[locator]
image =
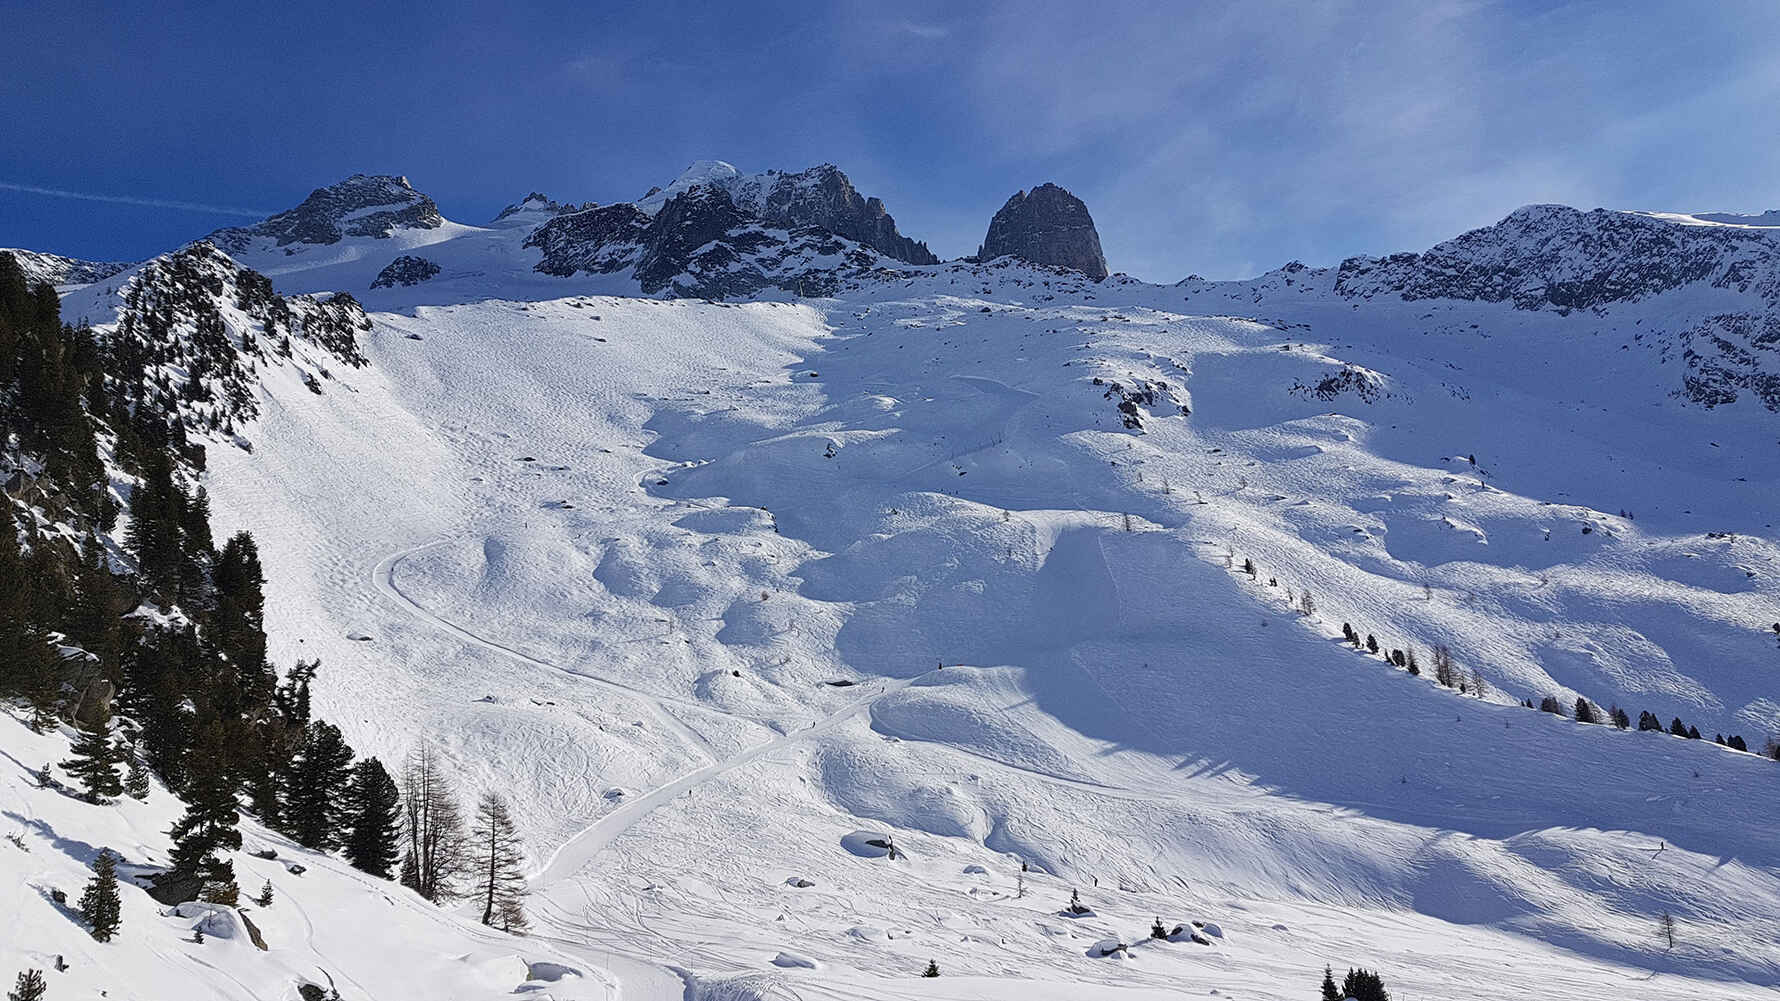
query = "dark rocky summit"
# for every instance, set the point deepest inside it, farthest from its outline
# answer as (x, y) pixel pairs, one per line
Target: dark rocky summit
(405, 270)
(537, 203)
(1047, 225)
(361, 205)
(823, 196)
(702, 242)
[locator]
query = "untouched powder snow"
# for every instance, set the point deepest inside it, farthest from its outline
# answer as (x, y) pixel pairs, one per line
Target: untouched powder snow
(713, 589)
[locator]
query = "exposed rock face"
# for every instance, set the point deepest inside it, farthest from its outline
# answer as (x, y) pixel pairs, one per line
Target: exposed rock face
(361, 205)
(55, 269)
(699, 242)
(823, 196)
(820, 196)
(599, 241)
(405, 270)
(1047, 225)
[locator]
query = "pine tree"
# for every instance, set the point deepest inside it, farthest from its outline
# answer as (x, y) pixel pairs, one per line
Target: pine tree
(500, 876)
(1619, 717)
(1647, 721)
(27, 661)
(265, 897)
(374, 813)
(1330, 991)
(932, 969)
(239, 620)
(95, 761)
(1414, 668)
(315, 811)
(1550, 704)
(28, 987)
(136, 780)
(99, 905)
(208, 826)
(1585, 711)
(1693, 733)
(1156, 929)
(1371, 643)
(1677, 728)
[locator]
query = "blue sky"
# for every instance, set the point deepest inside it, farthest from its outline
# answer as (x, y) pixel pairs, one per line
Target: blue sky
(1217, 138)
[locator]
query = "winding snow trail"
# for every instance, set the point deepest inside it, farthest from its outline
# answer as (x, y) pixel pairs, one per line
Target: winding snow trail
(583, 847)
(383, 575)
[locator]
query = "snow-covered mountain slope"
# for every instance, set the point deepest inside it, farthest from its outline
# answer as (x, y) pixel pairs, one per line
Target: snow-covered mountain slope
(1705, 296)
(54, 269)
(954, 557)
(615, 553)
(327, 924)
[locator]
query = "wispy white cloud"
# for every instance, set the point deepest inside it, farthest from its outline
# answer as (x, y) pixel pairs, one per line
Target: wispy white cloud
(1207, 135)
(154, 203)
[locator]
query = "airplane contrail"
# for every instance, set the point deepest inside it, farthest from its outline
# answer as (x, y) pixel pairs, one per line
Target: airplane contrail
(157, 203)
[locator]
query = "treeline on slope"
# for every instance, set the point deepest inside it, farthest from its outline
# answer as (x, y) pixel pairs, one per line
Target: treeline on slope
(1450, 675)
(155, 650)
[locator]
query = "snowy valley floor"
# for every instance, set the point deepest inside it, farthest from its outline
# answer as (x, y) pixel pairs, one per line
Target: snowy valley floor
(680, 576)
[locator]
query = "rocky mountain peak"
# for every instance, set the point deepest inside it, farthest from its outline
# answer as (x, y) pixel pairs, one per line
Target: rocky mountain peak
(824, 196)
(538, 204)
(1047, 225)
(373, 205)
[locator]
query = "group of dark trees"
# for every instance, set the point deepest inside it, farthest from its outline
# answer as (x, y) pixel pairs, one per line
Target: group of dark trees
(155, 650)
(1585, 711)
(1361, 985)
(1447, 673)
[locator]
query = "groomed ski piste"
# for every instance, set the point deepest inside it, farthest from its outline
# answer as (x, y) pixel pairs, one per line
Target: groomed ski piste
(727, 596)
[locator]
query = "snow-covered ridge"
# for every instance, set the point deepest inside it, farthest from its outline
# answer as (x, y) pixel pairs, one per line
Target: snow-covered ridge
(54, 269)
(1705, 297)
(361, 205)
(1556, 257)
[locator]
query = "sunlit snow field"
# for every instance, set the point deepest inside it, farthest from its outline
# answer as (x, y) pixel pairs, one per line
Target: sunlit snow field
(680, 577)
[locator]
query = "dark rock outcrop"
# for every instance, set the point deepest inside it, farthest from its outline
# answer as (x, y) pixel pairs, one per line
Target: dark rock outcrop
(535, 204)
(362, 205)
(1047, 225)
(405, 270)
(699, 243)
(823, 196)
